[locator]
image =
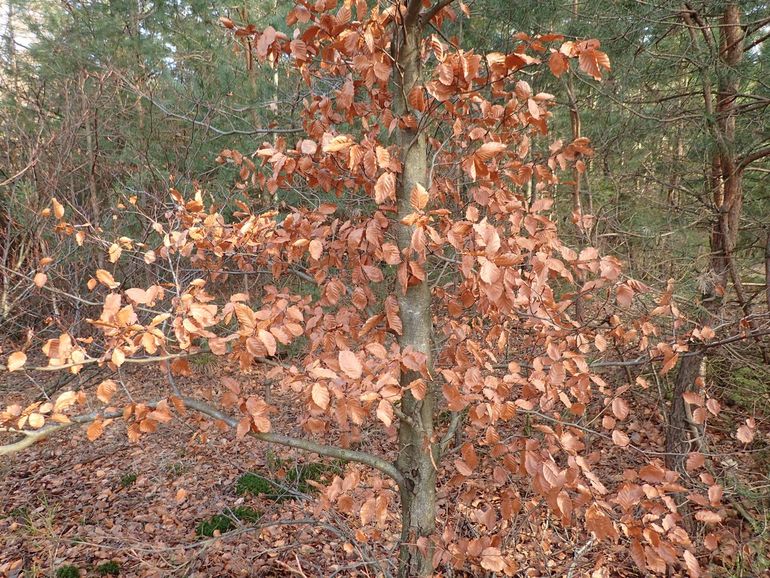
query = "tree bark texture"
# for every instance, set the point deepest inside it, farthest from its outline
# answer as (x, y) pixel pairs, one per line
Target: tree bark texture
(417, 452)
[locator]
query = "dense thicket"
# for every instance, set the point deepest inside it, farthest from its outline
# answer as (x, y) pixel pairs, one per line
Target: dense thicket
(177, 143)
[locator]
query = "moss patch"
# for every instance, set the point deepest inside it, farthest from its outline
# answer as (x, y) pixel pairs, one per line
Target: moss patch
(226, 521)
(68, 572)
(110, 568)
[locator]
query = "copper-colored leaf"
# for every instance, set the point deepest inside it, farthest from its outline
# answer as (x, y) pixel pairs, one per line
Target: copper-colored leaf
(16, 360)
(745, 434)
(492, 560)
(558, 64)
(105, 278)
(592, 61)
(419, 197)
(624, 295)
(385, 412)
(694, 461)
(316, 249)
(620, 408)
(320, 395)
(350, 364)
(137, 295)
(244, 425)
(708, 516)
(598, 522)
(620, 438)
(338, 143)
(489, 149)
(385, 188)
(105, 390)
(65, 400)
(268, 340)
(691, 562)
(58, 209)
(390, 254)
(36, 420)
(118, 357)
(95, 430)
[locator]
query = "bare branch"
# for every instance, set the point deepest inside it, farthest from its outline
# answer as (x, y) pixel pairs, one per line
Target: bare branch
(386, 467)
(426, 17)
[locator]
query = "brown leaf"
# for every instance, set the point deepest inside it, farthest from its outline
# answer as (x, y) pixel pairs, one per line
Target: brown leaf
(390, 254)
(558, 64)
(105, 390)
(244, 425)
(316, 249)
(600, 523)
(419, 197)
(492, 560)
(320, 395)
(708, 517)
(620, 438)
(694, 461)
(137, 295)
(385, 412)
(58, 209)
(268, 340)
(36, 420)
(620, 408)
(489, 149)
(350, 364)
(418, 389)
(745, 434)
(105, 278)
(95, 430)
(114, 252)
(624, 295)
(118, 357)
(367, 511)
(385, 188)
(338, 143)
(592, 61)
(16, 360)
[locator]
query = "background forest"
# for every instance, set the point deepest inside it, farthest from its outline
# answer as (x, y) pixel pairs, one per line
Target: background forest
(105, 106)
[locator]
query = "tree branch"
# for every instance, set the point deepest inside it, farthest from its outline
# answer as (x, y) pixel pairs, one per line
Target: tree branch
(386, 467)
(435, 9)
(746, 160)
(412, 12)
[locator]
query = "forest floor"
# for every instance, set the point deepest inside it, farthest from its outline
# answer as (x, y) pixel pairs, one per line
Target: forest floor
(150, 508)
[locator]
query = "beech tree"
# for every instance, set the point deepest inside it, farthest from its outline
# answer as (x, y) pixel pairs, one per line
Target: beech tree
(442, 286)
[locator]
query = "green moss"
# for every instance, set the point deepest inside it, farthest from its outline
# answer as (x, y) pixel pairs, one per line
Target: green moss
(128, 480)
(748, 387)
(217, 522)
(203, 359)
(68, 572)
(296, 481)
(227, 521)
(246, 514)
(110, 568)
(255, 485)
(300, 474)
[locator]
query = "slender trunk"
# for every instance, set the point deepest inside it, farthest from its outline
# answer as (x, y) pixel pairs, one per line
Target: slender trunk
(418, 453)
(577, 204)
(724, 183)
(767, 269)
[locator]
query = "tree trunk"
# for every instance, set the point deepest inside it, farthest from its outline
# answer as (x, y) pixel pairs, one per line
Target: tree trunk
(725, 187)
(417, 452)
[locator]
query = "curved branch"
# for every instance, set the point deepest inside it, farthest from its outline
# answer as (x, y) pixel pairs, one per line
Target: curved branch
(386, 467)
(438, 7)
